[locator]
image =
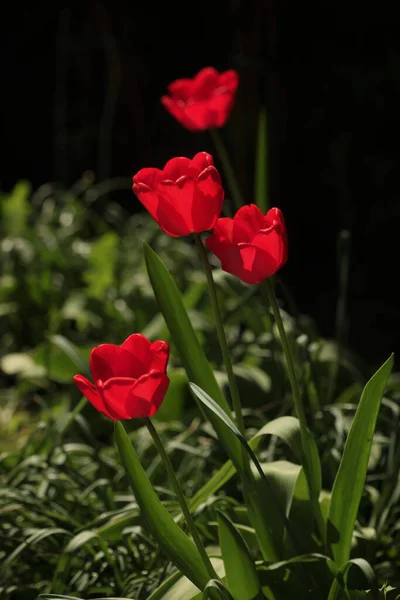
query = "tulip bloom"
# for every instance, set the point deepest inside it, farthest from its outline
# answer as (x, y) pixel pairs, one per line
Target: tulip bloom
(204, 101)
(185, 197)
(251, 246)
(130, 380)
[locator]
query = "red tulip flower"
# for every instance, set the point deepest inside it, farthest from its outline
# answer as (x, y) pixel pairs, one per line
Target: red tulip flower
(204, 101)
(130, 380)
(185, 197)
(251, 246)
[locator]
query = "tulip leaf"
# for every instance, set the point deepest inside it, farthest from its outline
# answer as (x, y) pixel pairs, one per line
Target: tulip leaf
(178, 587)
(187, 344)
(254, 497)
(261, 173)
(241, 573)
(350, 478)
(174, 542)
(286, 428)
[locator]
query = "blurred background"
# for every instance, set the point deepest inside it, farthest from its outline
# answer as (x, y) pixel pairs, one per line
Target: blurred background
(80, 89)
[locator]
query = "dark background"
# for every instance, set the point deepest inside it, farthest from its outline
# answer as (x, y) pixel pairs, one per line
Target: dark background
(80, 89)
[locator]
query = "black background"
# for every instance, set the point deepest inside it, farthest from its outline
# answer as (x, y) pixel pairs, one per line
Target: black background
(80, 89)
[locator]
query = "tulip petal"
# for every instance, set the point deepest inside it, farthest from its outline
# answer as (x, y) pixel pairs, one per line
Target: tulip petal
(258, 264)
(229, 255)
(178, 110)
(223, 229)
(159, 355)
(207, 200)
(204, 83)
(247, 222)
(181, 88)
(138, 345)
(110, 360)
(147, 395)
(116, 393)
(175, 206)
(90, 392)
(229, 81)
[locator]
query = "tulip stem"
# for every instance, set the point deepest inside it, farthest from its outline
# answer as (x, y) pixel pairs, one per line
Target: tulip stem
(221, 336)
(227, 167)
(299, 409)
(181, 498)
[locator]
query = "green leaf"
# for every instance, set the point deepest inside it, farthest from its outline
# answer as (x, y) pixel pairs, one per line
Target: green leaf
(191, 353)
(15, 209)
(175, 543)
(261, 173)
(286, 428)
(270, 525)
(178, 587)
(215, 585)
(100, 276)
(350, 478)
(73, 354)
(241, 573)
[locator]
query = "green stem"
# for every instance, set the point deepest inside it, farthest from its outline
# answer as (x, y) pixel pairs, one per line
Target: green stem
(181, 499)
(221, 336)
(228, 169)
(299, 409)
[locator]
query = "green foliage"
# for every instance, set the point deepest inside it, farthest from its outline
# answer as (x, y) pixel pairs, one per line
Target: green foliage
(73, 275)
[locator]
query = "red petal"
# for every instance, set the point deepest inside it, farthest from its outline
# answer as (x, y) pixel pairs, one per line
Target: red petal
(201, 161)
(247, 222)
(177, 110)
(205, 83)
(229, 81)
(228, 254)
(147, 395)
(90, 392)
(159, 352)
(109, 360)
(181, 88)
(147, 196)
(207, 200)
(149, 177)
(115, 393)
(138, 345)
(274, 244)
(223, 229)
(258, 264)
(176, 167)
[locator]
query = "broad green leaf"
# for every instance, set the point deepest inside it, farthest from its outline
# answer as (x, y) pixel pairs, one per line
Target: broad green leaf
(191, 353)
(350, 478)
(241, 574)
(261, 174)
(175, 543)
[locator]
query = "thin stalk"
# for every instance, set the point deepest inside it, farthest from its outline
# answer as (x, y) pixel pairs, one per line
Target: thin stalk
(227, 167)
(221, 336)
(299, 409)
(181, 499)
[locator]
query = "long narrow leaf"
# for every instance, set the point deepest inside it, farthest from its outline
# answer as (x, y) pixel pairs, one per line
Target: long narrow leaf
(350, 478)
(190, 351)
(175, 543)
(240, 569)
